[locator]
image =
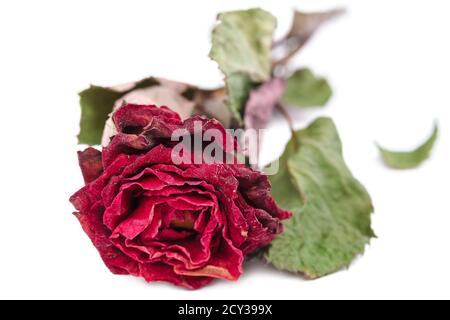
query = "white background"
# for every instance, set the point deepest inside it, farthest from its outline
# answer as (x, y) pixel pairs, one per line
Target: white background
(388, 62)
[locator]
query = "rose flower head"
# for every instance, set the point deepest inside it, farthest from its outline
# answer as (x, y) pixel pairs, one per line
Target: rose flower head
(153, 216)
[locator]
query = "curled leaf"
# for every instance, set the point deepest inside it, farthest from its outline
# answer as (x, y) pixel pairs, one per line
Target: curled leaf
(331, 223)
(304, 25)
(238, 90)
(409, 159)
(304, 89)
(241, 45)
(96, 104)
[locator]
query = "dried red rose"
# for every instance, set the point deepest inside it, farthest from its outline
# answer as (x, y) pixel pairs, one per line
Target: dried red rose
(187, 223)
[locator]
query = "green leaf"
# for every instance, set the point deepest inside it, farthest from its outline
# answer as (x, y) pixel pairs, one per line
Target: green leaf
(410, 159)
(238, 91)
(331, 223)
(304, 89)
(96, 104)
(242, 41)
(241, 45)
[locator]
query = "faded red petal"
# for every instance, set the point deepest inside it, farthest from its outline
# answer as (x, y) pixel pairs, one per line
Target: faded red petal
(227, 191)
(153, 228)
(225, 141)
(113, 258)
(125, 144)
(256, 188)
(173, 235)
(90, 161)
(139, 219)
(226, 263)
(133, 119)
(141, 128)
(120, 206)
(164, 272)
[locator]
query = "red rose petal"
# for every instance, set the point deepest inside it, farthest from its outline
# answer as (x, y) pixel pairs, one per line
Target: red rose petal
(164, 272)
(139, 220)
(153, 228)
(202, 220)
(173, 235)
(132, 118)
(225, 264)
(225, 141)
(189, 201)
(120, 206)
(113, 258)
(90, 161)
